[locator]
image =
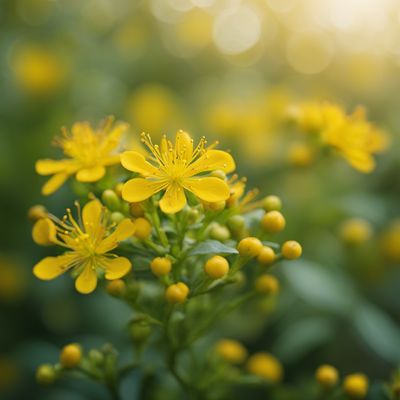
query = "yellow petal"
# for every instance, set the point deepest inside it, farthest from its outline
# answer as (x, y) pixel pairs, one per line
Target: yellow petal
(113, 138)
(54, 183)
(116, 268)
(50, 167)
(208, 189)
(51, 267)
(44, 232)
(135, 162)
(111, 160)
(91, 216)
(360, 160)
(212, 160)
(173, 200)
(184, 145)
(90, 174)
(124, 230)
(139, 189)
(87, 280)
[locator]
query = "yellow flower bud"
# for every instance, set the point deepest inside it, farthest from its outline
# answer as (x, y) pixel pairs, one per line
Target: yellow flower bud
(44, 232)
(231, 351)
(37, 212)
(272, 203)
(136, 210)
(161, 266)
(273, 222)
(356, 386)
(327, 376)
(116, 288)
(71, 355)
(143, 228)
(177, 293)
(214, 206)
(249, 247)
(291, 250)
(265, 366)
(355, 231)
(45, 374)
(216, 267)
(117, 217)
(267, 284)
(266, 256)
(118, 189)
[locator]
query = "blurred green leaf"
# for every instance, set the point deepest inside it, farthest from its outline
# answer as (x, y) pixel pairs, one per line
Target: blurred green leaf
(301, 337)
(321, 287)
(212, 247)
(379, 331)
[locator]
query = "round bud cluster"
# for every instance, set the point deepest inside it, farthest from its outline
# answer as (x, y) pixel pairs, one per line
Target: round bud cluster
(177, 293)
(249, 247)
(266, 256)
(356, 386)
(291, 250)
(265, 366)
(161, 266)
(267, 284)
(231, 351)
(142, 228)
(273, 222)
(327, 376)
(71, 355)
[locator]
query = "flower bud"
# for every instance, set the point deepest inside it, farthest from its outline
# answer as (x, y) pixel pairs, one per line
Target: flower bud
(161, 266)
(96, 357)
(143, 228)
(236, 222)
(231, 351)
(136, 210)
(249, 247)
(193, 215)
(177, 293)
(267, 284)
(356, 386)
(265, 366)
(111, 200)
(273, 222)
(116, 288)
(216, 267)
(117, 217)
(71, 355)
(291, 250)
(266, 256)
(220, 232)
(214, 206)
(140, 331)
(272, 203)
(355, 231)
(46, 374)
(327, 376)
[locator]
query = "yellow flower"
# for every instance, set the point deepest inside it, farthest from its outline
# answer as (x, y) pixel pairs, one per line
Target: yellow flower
(356, 139)
(177, 169)
(238, 196)
(89, 151)
(88, 241)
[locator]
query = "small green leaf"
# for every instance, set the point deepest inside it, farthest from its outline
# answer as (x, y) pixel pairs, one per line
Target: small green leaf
(212, 247)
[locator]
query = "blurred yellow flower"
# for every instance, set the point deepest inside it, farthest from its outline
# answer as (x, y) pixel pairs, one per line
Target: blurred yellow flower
(265, 366)
(177, 169)
(38, 71)
(89, 151)
(88, 241)
(12, 279)
(390, 241)
(231, 350)
(356, 139)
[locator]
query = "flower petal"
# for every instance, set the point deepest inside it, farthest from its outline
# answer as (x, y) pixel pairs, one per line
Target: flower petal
(87, 280)
(208, 189)
(184, 146)
(116, 268)
(139, 189)
(91, 216)
(54, 183)
(44, 232)
(173, 200)
(124, 230)
(51, 267)
(360, 160)
(210, 161)
(50, 167)
(135, 162)
(90, 174)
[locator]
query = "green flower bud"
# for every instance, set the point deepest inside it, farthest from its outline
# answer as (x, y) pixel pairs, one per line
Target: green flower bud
(236, 223)
(111, 200)
(46, 374)
(220, 232)
(117, 217)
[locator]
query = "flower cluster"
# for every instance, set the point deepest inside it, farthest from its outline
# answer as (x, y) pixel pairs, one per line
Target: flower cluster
(184, 244)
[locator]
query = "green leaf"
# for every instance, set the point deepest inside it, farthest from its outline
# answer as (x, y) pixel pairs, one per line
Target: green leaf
(321, 287)
(212, 247)
(379, 331)
(301, 337)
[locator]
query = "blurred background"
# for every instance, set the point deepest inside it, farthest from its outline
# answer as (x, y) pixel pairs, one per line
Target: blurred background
(226, 69)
